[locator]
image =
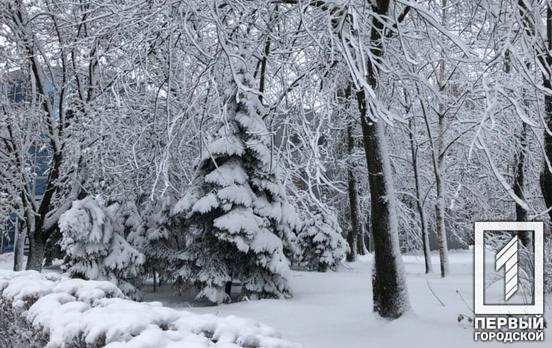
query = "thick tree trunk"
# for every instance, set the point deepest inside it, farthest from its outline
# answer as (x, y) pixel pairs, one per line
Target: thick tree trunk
(389, 288)
(419, 205)
(389, 285)
(36, 252)
(354, 231)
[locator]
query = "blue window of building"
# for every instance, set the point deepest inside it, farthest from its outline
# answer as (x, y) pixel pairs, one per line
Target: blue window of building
(7, 234)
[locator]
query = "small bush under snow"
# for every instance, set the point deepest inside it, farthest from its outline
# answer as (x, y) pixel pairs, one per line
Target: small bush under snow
(320, 242)
(49, 310)
(95, 244)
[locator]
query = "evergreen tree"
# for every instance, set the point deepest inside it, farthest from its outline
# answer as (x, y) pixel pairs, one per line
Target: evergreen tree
(161, 244)
(320, 242)
(95, 246)
(237, 218)
(130, 222)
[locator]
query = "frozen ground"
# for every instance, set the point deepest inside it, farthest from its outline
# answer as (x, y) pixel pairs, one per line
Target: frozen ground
(333, 310)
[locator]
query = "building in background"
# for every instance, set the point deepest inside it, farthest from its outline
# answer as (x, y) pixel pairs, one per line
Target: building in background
(14, 90)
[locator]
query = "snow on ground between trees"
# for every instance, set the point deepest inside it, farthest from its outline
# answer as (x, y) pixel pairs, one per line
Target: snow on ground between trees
(334, 309)
(73, 312)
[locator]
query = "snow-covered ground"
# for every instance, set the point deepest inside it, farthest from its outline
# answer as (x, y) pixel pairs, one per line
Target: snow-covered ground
(6, 261)
(334, 309)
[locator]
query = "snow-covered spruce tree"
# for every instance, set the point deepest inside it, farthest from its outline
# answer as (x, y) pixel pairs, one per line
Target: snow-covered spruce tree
(237, 219)
(320, 242)
(161, 245)
(131, 224)
(95, 246)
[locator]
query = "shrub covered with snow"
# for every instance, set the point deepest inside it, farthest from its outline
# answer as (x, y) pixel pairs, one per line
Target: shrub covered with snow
(238, 221)
(49, 310)
(95, 245)
(320, 243)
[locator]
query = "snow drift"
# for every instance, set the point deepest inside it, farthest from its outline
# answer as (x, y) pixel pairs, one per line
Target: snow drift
(49, 310)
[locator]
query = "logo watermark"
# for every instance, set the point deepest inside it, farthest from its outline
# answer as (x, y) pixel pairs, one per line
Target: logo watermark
(507, 258)
(506, 319)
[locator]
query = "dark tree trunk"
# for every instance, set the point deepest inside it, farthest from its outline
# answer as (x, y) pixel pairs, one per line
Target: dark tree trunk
(389, 285)
(38, 234)
(546, 61)
(361, 245)
(354, 231)
(228, 289)
(519, 183)
(388, 282)
(519, 176)
(36, 252)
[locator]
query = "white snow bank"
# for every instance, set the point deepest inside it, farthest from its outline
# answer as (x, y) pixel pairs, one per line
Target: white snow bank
(68, 312)
(6, 261)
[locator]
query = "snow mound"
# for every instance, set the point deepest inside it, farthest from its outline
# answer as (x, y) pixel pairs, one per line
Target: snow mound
(74, 312)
